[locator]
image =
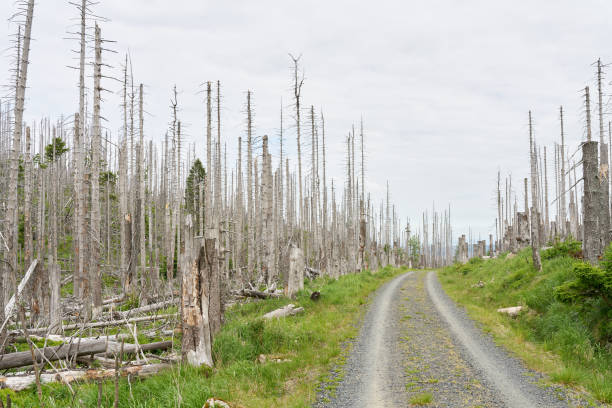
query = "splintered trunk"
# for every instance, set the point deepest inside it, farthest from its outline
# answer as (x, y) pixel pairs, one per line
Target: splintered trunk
(591, 204)
(590, 243)
(295, 276)
(195, 299)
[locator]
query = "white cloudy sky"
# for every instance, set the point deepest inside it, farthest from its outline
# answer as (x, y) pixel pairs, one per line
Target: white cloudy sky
(444, 86)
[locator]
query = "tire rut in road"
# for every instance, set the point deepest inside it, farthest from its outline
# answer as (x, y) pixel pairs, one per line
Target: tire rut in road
(373, 375)
(517, 386)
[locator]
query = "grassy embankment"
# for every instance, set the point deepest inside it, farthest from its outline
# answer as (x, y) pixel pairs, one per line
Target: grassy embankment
(308, 345)
(566, 330)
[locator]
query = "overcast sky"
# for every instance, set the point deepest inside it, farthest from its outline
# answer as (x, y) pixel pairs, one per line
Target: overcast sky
(444, 87)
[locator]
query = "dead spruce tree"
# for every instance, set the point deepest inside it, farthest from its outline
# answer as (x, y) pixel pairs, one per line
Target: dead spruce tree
(591, 245)
(535, 219)
(125, 201)
(9, 274)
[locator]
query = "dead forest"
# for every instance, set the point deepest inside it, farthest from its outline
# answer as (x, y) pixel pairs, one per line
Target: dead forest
(103, 230)
(527, 216)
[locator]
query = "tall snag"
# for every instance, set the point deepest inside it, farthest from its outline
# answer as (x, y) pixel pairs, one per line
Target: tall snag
(535, 218)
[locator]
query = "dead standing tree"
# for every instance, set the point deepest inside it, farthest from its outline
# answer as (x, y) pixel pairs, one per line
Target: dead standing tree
(590, 202)
(9, 276)
(535, 218)
(604, 193)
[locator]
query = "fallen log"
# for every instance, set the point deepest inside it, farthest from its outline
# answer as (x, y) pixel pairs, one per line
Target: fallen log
(285, 311)
(93, 325)
(116, 299)
(511, 311)
(19, 383)
(150, 308)
(24, 358)
(104, 361)
(113, 346)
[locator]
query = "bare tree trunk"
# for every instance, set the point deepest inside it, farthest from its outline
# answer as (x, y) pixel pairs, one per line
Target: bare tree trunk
(251, 211)
(209, 169)
(535, 219)
(94, 259)
(144, 272)
(297, 90)
(604, 193)
(27, 202)
(562, 203)
(52, 266)
(12, 210)
(267, 210)
(591, 243)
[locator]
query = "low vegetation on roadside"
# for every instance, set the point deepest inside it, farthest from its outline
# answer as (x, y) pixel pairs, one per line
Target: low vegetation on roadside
(565, 327)
(259, 363)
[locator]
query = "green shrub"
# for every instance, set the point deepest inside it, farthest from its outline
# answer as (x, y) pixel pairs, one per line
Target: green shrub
(569, 247)
(591, 283)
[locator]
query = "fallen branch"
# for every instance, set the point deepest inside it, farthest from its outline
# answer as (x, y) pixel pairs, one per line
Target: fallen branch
(105, 323)
(311, 273)
(256, 294)
(285, 311)
(511, 311)
(19, 383)
(10, 306)
(149, 308)
(117, 299)
(24, 358)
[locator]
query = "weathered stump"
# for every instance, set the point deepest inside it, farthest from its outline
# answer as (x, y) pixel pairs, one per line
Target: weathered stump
(591, 203)
(295, 277)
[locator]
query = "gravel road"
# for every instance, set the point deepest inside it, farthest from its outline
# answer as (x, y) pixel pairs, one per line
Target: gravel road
(415, 345)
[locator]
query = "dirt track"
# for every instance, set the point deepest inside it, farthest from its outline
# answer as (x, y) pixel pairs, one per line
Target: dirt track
(415, 343)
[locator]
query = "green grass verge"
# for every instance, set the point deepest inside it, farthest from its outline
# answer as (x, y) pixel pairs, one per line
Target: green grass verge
(563, 340)
(308, 345)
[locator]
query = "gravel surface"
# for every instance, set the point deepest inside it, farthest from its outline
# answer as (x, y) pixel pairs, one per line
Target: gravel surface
(517, 386)
(416, 345)
(373, 375)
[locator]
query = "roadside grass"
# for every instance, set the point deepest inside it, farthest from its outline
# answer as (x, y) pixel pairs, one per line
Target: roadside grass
(300, 351)
(563, 340)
